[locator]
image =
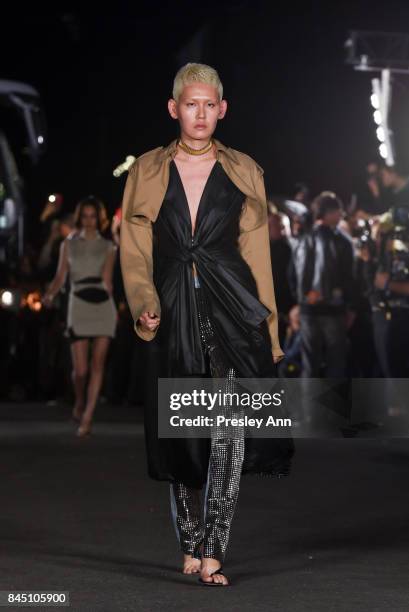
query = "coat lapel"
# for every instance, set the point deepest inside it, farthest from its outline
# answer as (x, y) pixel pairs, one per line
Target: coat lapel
(153, 179)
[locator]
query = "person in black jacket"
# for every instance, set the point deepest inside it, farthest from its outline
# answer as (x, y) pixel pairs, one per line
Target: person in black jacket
(323, 261)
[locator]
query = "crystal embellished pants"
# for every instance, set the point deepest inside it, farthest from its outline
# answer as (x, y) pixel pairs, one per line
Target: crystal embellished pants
(225, 464)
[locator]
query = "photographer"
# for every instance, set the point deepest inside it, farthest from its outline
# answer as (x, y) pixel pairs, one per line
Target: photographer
(362, 358)
(391, 280)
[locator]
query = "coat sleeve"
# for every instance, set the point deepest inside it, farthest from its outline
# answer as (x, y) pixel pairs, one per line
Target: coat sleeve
(136, 257)
(254, 246)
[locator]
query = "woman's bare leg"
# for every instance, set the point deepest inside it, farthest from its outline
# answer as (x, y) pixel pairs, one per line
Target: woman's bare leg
(79, 354)
(99, 353)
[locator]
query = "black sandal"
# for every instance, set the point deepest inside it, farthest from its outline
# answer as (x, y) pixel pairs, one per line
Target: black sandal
(218, 571)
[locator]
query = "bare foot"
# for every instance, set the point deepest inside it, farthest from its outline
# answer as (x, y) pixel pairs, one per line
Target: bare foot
(191, 565)
(85, 426)
(210, 565)
(77, 412)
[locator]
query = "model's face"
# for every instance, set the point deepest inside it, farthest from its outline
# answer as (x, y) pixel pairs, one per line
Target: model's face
(89, 219)
(198, 110)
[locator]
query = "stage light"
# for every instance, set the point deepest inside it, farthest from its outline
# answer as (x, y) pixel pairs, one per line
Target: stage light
(377, 117)
(380, 133)
(383, 150)
(51, 198)
(10, 299)
(33, 301)
(375, 100)
(7, 298)
(381, 101)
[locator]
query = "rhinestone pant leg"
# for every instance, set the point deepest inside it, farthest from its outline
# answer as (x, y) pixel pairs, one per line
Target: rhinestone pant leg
(186, 514)
(225, 464)
(227, 449)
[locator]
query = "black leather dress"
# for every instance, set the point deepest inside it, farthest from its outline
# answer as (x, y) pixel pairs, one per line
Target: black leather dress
(237, 315)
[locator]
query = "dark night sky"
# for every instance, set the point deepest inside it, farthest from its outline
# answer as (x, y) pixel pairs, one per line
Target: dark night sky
(105, 75)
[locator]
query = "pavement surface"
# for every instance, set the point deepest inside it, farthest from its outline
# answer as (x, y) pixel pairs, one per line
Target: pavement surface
(82, 516)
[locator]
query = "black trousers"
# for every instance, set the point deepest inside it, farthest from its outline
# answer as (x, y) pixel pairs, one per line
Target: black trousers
(323, 339)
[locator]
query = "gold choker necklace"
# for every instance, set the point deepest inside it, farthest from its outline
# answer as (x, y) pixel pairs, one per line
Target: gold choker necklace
(191, 151)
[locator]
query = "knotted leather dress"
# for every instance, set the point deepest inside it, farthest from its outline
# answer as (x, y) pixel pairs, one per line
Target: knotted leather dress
(237, 316)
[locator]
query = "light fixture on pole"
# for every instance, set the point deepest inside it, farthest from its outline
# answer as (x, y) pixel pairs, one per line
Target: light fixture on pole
(387, 53)
(381, 100)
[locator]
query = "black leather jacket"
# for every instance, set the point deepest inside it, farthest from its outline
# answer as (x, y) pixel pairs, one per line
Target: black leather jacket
(323, 259)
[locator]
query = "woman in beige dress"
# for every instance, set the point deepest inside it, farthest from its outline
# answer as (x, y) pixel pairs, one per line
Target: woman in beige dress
(89, 258)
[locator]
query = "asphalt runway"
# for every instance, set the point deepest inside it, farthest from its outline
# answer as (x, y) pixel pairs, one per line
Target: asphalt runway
(82, 516)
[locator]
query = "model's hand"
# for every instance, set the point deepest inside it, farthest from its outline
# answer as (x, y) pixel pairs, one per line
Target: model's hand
(149, 321)
(277, 358)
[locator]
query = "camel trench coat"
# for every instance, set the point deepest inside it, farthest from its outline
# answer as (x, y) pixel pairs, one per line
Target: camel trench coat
(144, 192)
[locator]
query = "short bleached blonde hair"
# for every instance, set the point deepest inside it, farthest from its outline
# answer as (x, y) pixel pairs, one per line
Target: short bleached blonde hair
(196, 73)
